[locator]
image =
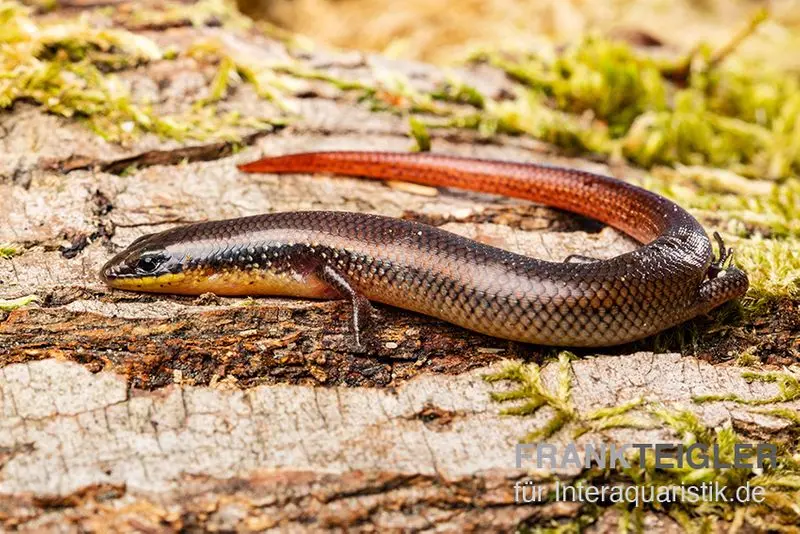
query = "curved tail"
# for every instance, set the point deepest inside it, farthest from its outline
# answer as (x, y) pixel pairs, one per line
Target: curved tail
(637, 212)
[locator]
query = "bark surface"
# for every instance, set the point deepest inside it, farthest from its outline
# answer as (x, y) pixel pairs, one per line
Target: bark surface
(126, 411)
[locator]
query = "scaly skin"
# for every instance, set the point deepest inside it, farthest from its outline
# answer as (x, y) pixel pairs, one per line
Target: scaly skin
(670, 279)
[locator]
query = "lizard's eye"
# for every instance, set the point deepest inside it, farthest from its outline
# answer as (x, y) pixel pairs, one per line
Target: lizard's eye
(148, 264)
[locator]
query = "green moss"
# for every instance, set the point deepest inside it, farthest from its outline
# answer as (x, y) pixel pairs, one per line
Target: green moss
(585, 518)
(531, 394)
(683, 422)
(780, 481)
(603, 96)
(219, 87)
(577, 79)
(788, 386)
(232, 70)
(777, 480)
(309, 74)
(531, 390)
(613, 417)
(748, 359)
(455, 90)
(789, 415)
(419, 132)
(13, 304)
(58, 67)
(745, 206)
(198, 14)
(393, 93)
(697, 110)
(773, 267)
(67, 68)
(9, 250)
(529, 115)
(614, 411)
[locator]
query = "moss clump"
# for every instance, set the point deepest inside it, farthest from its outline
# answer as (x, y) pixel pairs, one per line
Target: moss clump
(578, 79)
(199, 13)
(602, 96)
(419, 132)
(777, 510)
(532, 395)
(773, 267)
(232, 71)
(748, 359)
(67, 68)
(13, 304)
(393, 93)
(9, 250)
(788, 389)
(529, 114)
(614, 417)
(748, 206)
(532, 391)
(59, 67)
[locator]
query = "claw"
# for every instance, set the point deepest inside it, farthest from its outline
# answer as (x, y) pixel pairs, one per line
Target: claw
(723, 260)
(721, 248)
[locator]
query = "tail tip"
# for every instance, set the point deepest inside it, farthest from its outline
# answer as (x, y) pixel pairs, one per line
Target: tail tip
(251, 166)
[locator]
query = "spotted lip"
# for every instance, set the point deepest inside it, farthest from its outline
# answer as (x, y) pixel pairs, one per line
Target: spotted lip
(123, 266)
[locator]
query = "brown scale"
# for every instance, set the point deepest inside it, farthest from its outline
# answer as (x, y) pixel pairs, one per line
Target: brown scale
(671, 278)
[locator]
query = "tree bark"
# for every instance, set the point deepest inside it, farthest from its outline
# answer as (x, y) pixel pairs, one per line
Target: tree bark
(134, 412)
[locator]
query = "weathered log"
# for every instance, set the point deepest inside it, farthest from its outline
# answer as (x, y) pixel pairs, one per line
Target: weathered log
(137, 412)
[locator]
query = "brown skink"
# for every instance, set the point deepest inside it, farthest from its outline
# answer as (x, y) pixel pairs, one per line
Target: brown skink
(673, 277)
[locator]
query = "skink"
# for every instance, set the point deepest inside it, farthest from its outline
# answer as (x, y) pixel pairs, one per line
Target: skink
(673, 277)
